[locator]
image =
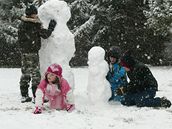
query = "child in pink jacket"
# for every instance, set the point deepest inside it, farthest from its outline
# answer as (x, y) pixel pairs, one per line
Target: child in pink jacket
(56, 89)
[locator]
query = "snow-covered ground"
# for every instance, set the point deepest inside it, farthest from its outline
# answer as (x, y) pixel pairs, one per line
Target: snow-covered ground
(14, 115)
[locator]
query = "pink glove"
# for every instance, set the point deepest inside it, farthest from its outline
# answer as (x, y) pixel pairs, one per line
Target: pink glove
(38, 110)
(70, 108)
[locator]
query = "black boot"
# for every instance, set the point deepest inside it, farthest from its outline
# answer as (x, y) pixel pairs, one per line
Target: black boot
(112, 96)
(26, 99)
(165, 102)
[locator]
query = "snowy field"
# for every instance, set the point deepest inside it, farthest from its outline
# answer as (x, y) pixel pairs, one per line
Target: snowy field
(14, 115)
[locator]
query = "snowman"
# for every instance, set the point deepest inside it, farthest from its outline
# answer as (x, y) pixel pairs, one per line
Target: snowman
(59, 47)
(98, 88)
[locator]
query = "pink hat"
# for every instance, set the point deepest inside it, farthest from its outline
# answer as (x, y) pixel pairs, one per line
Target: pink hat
(56, 69)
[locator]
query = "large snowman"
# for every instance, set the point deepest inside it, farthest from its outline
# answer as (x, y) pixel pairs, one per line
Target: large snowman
(98, 87)
(59, 47)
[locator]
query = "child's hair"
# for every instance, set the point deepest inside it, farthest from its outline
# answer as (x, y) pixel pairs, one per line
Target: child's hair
(56, 81)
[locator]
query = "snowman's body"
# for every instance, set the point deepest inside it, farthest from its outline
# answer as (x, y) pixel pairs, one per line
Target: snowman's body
(59, 47)
(98, 87)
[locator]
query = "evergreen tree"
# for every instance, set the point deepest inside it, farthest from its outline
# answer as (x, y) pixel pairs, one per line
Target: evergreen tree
(160, 16)
(159, 22)
(121, 23)
(139, 25)
(81, 24)
(9, 13)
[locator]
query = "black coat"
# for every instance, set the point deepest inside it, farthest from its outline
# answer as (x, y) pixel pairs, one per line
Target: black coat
(141, 79)
(29, 36)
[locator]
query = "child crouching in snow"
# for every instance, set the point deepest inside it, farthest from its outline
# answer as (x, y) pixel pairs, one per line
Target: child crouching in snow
(56, 89)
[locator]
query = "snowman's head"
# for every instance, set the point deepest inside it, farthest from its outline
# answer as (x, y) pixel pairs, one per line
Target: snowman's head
(96, 55)
(54, 9)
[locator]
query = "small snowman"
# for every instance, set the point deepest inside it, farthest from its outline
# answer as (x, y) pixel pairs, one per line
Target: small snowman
(98, 87)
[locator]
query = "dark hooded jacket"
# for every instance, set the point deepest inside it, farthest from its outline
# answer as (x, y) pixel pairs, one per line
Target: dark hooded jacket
(141, 79)
(29, 36)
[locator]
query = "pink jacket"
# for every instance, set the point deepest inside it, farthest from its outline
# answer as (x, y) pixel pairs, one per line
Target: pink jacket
(57, 98)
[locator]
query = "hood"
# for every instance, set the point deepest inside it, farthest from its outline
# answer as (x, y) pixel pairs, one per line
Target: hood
(55, 69)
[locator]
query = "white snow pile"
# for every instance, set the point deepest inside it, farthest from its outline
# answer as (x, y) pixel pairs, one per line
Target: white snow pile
(17, 115)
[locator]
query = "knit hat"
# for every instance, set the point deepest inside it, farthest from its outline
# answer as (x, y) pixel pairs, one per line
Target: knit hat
(127, 60)
(31, 9)
(55, 69)
(114, 51)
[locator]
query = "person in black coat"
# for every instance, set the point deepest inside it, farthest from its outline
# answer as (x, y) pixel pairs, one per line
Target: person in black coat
(30, 32)
(142, 87)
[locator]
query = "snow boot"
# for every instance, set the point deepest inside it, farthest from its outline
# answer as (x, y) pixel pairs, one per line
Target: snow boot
(165, 102)
(26, 99)
(112, 96)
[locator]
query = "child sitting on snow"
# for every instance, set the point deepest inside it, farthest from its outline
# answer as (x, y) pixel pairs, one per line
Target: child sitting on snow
(56, 89)
(117, 74)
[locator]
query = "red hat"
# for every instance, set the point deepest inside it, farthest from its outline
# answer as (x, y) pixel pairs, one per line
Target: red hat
(124, 64)
(56, 69)
(127, 60)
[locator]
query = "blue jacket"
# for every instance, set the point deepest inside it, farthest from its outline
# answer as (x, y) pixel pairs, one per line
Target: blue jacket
(117, 78)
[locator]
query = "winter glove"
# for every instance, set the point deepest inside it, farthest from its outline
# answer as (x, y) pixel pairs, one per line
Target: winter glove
(38, 110)
(70, 108)
(52, 25)
(121, 90)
